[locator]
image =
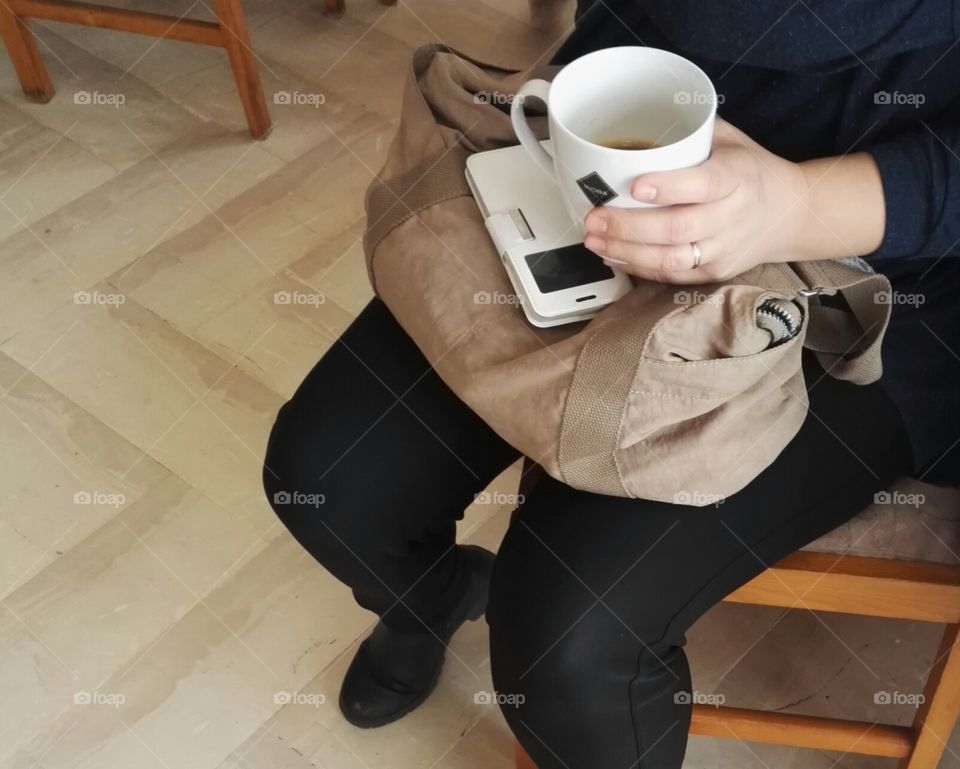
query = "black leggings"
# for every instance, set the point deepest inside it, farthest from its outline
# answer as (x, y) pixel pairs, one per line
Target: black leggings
(591, 595)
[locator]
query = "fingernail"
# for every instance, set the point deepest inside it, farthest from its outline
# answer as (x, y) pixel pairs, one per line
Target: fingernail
(614, 262)
(595, 244)
(596, 223)
(645, 192)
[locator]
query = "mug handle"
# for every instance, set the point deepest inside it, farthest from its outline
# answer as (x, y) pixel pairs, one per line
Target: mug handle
(539, 89)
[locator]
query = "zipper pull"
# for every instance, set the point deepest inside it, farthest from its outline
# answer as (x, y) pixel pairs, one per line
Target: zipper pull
(781, 318)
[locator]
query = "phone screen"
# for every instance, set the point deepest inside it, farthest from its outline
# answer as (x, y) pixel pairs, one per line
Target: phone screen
(566, 267)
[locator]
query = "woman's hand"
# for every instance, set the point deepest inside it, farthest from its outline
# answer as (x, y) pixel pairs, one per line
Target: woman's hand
(744, 206)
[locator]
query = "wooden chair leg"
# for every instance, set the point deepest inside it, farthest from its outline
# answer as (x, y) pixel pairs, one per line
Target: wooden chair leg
(937, 715)
(237, 43)
(22, 48)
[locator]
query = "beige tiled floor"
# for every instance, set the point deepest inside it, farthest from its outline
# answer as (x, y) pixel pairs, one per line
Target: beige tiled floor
(138, 560)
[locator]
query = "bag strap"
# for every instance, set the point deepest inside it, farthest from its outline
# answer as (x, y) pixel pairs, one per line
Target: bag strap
(847, 344)
(598, 396)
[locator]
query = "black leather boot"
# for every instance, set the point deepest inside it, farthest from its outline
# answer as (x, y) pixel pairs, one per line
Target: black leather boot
(394, 671)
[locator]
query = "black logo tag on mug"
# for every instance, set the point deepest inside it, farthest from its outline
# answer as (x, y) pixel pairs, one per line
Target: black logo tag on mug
(598, 192)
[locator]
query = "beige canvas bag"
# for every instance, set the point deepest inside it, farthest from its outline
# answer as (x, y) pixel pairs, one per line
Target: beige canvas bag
(672, 393)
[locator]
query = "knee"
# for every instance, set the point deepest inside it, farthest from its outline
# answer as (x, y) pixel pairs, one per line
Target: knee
(551, 651)
(553, 639)
(285, 468)
(549, 638)
(317, 479)
(562, 677)
(573, 678)
(293, 475)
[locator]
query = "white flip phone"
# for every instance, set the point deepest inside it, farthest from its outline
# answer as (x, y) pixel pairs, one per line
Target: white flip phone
(556, 278)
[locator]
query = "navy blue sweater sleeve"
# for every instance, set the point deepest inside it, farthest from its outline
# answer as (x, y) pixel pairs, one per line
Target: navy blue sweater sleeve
(921, 183)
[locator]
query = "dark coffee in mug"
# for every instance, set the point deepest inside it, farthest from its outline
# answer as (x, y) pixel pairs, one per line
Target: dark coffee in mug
(626, 97)
(628, 144)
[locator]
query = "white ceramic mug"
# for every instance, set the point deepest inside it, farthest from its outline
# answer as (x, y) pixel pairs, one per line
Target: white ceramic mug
(628, 93)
